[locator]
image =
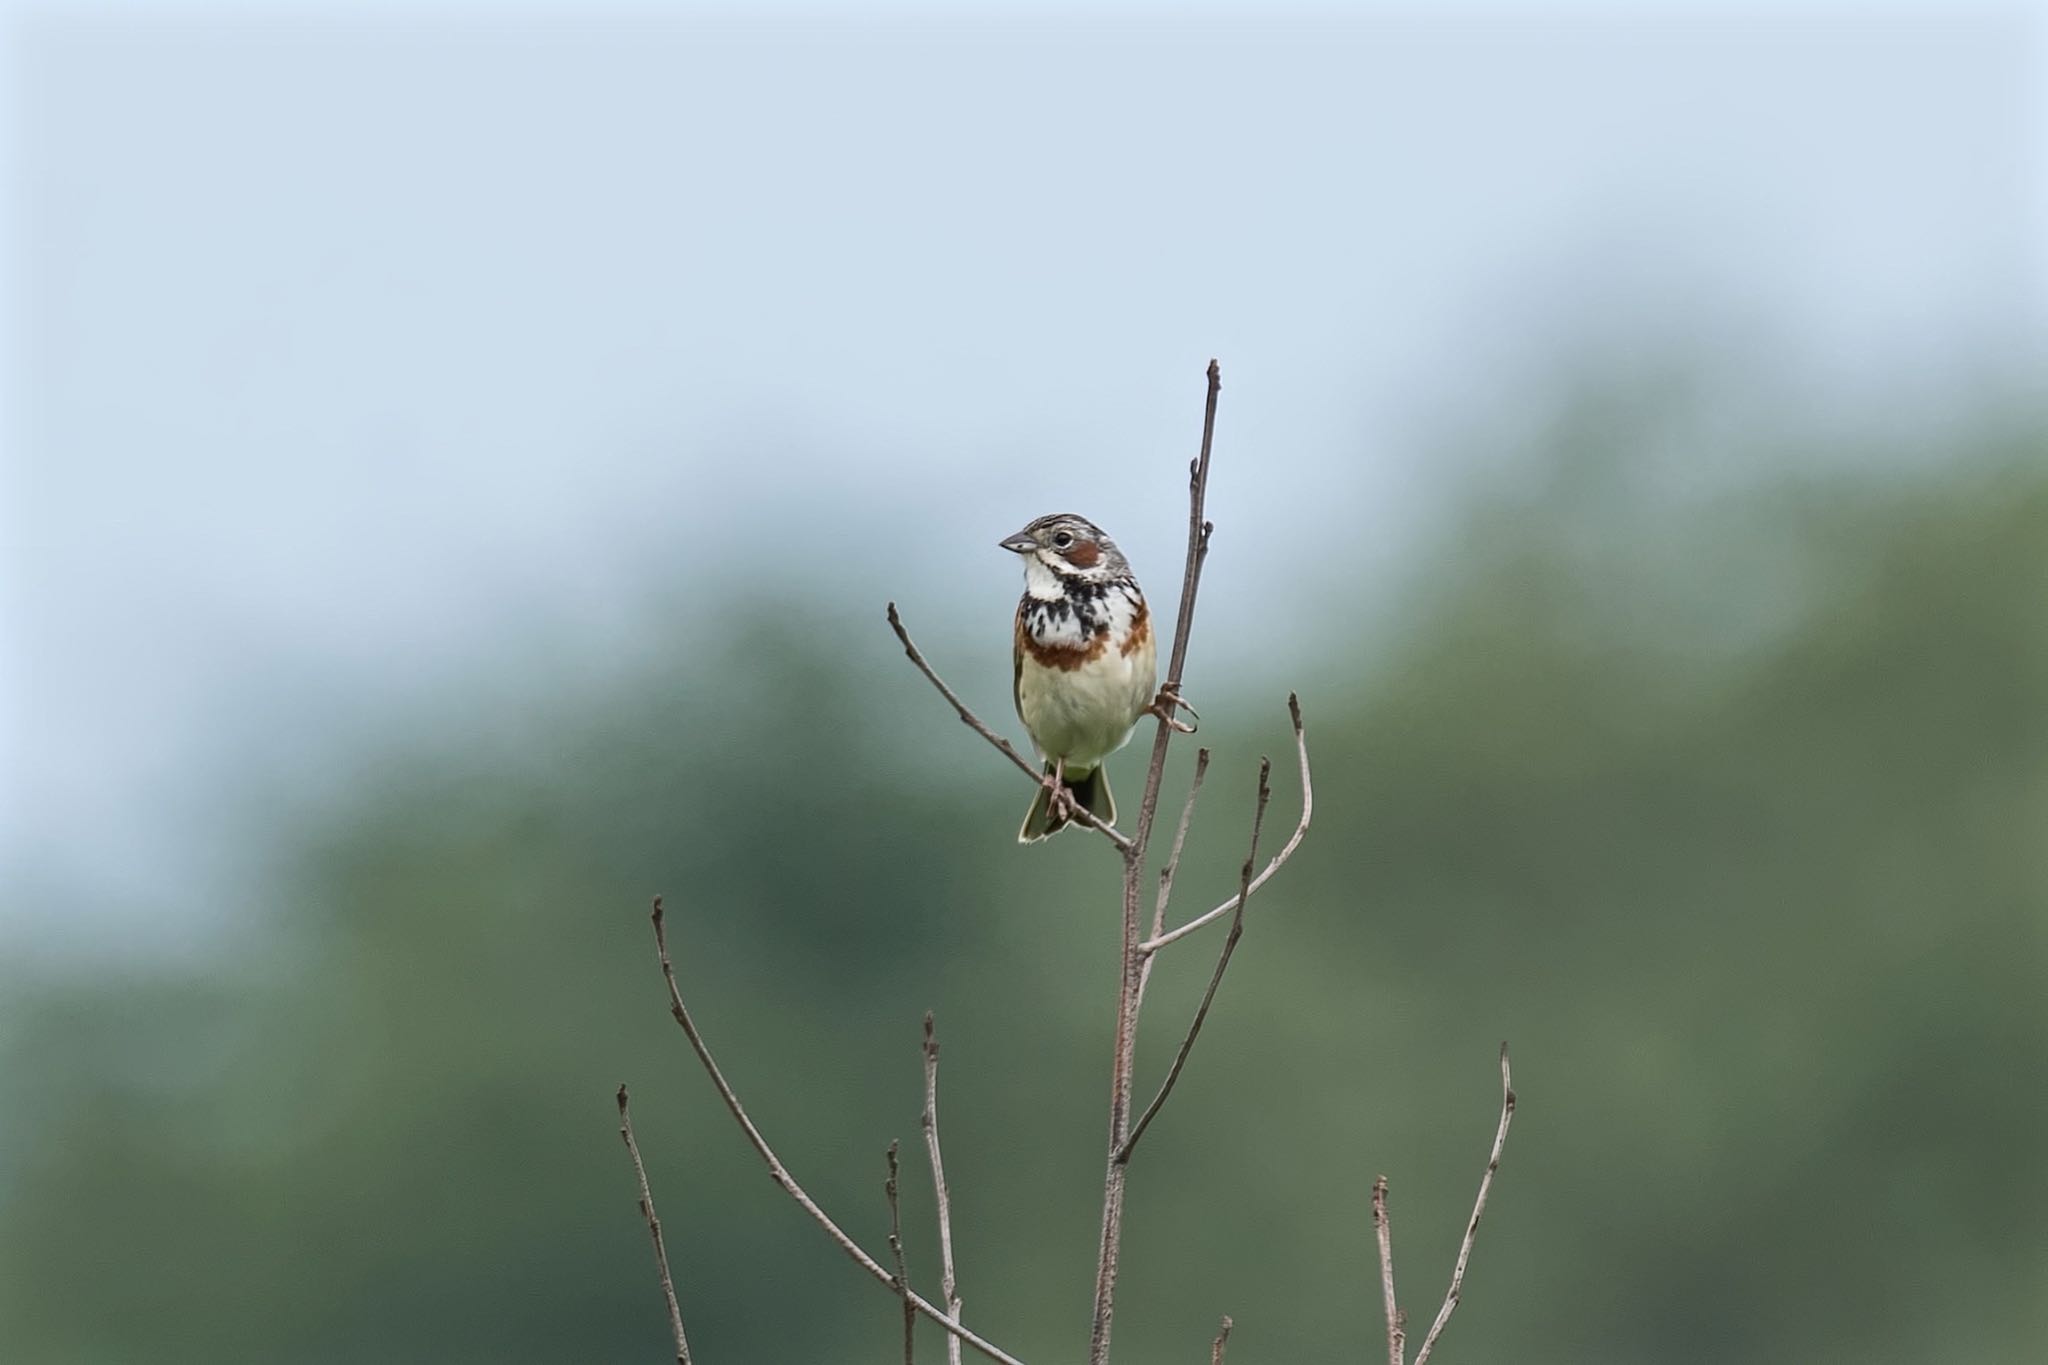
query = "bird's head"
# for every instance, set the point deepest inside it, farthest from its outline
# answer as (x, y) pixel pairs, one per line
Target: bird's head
(1063, 548)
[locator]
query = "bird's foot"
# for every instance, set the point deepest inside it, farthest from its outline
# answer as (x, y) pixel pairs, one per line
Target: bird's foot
(1167, 703)
(1059, 801)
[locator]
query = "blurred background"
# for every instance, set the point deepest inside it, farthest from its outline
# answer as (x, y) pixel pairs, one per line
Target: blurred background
(456, 458)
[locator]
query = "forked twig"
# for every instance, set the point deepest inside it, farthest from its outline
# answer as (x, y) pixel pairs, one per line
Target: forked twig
(1308, 805)
(1222, 1340)
(1079, 815)
(1129, 992)
(668, 1285)
(949, 1291)
(780, 1173)
(1166, 873)
(1187, 1044)
(1397, 1335)
(896, 1251)
(1500, 1138)
(1180, 839)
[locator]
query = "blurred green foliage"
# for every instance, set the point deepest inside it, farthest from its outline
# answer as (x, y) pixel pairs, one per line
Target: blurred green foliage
(1727, 810)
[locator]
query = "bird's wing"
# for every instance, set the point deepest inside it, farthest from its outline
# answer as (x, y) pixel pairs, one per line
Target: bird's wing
(1017, 663)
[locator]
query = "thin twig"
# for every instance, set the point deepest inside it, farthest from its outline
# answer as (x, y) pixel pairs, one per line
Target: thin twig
(668, 1285)
(1500, 1138)
(1187, 1044)
(949, 1292)
(780, 1174)
(1222, 1340)
(1184, 618)
(1166, 873)
(1397, 1335)
(1080, 815)
(1128, 991)
(1180, 839)
(1308, 804)
(896, 1250)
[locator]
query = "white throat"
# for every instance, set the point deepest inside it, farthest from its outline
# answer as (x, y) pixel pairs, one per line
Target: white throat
(1041, 582)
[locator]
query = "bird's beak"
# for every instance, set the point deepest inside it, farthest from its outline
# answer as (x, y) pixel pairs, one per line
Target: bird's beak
(1021, 543)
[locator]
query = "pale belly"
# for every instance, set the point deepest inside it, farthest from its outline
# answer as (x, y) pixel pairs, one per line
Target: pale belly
(1087, 714)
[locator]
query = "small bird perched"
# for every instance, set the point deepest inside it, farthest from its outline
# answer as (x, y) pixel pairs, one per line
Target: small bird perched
(1086, 664)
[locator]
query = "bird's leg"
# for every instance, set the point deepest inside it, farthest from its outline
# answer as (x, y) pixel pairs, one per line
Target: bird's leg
(1061, 804)
(1167, 703)
(1062, 799)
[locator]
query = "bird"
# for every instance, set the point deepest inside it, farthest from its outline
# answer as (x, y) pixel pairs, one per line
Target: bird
(1086, 664)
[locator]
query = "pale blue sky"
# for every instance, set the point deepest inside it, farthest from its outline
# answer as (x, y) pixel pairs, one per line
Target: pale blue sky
(346, 348)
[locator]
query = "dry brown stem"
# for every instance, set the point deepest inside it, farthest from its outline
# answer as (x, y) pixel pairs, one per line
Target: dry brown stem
(1166, 873)
(1217, 1346)
(896, 1252)
(1187, 1043)
(668, 1285)
(1500, 1138)
(949, 1291)
(1397, 1336)
(1129, 982)
(1279, 860)
(780, 1173)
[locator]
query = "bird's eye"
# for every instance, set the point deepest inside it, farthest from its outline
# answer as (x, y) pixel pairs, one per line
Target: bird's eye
(1063, 539)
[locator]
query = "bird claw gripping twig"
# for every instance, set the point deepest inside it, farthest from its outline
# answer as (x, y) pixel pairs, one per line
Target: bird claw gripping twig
(1167, 703)
(1060, 802)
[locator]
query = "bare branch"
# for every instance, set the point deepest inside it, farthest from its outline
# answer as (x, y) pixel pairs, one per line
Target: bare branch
(1184, 618)
(780, 1174)
(1129, 988)
(1397, 1336)
(1080, 815)
(1222, 1340)
(1187, 1044)
(1308, 803)
(668, 1285)
(896, 1250)
(1500, 1138)
(1180, 839)
(1166, 873)
(949, 1292)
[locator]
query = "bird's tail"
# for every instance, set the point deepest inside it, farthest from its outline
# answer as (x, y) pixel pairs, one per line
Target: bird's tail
(1090, 791)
